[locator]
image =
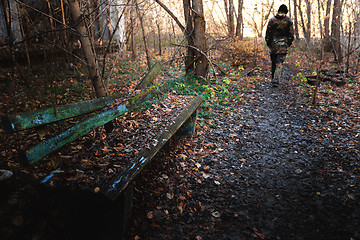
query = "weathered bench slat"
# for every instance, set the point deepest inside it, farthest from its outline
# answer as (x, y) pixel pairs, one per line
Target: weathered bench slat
(150, 76)
(113, 189)
(48, 146)
(27, 120)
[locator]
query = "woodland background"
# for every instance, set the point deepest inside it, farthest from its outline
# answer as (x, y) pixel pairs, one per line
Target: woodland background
(65, 51)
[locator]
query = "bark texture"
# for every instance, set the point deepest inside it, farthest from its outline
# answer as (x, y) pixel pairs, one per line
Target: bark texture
(202, 64)
(335, 31)
(87, 50)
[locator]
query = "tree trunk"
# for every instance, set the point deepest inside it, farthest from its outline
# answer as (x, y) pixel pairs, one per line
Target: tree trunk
(290, 8)
(108, 17)
(303, 25)
(195, 34)
(189, 34)
(86, 46)
(98, 22)
(335, 31)
(296, 29)
(132, 42)
(240, 23)
(229, 11)
(308, 23)
(144, 36)
(327, 43)
(159, 37)
(231, 18)
(319, 16)
(201, 64)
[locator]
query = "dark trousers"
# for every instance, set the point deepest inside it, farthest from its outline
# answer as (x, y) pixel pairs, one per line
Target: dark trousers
(276, 60)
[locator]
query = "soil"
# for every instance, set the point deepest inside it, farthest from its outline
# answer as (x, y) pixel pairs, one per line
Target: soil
(271, 168)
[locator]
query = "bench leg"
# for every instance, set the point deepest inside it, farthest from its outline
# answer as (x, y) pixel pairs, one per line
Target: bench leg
(188, 128)
(127, 206)
(123, 206)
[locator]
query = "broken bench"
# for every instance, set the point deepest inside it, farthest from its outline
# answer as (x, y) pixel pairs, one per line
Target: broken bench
(94, 181)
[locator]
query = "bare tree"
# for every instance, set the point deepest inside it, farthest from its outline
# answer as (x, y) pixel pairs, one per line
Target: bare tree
(194, 32)
(296, 29)
(143, 34)
(336, 31)
(202, 64)
(327, 44)
(305, 26)
(240, 20)
(87, 49)
(229, 11)
(261, 16)
(189, 34)
(132, 41)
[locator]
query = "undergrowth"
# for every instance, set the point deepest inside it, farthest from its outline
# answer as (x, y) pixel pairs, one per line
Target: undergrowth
(217, 96)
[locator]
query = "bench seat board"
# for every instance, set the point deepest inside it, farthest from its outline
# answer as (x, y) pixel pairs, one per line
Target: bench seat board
(46, 147)
(119, 184)
(28, 120)
(111, 186)
(150, 76)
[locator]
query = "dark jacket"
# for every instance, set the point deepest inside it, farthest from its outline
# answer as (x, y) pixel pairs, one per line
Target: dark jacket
(279, 33)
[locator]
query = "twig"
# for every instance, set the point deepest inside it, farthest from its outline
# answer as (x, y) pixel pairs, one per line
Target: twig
(252, 70)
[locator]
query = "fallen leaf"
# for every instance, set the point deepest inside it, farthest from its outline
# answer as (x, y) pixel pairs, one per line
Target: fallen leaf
(182, 198)
(351, 196)
(205, 175)
(150, 215)
(170, 195)
(260, 235)
(96, 190)
(217, 182)
(216, 214)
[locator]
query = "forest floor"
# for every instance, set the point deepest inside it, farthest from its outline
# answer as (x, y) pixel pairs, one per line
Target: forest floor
(266, 165)
(276, 169)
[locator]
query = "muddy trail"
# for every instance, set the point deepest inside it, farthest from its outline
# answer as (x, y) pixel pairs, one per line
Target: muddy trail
(276, 171)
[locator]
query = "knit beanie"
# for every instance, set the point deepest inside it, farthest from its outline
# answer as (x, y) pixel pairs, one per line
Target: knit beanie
(283, 9)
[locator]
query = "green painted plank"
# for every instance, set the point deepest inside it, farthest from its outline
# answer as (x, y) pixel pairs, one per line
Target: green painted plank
(48, 146)
(117, 185)
(150, 76)
(27, 120)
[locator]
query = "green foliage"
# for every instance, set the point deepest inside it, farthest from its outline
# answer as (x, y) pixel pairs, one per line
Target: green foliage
(306, 88)
(216, 95)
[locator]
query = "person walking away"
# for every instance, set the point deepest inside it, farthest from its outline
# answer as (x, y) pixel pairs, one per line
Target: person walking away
(279, 37)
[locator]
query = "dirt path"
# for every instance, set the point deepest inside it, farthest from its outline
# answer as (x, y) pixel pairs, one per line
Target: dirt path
(278, 172)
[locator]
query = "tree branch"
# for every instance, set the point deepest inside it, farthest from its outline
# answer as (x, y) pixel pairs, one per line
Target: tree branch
(172, 15)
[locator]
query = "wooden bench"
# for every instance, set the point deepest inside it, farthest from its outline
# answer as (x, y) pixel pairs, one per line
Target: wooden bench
(100, 196)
